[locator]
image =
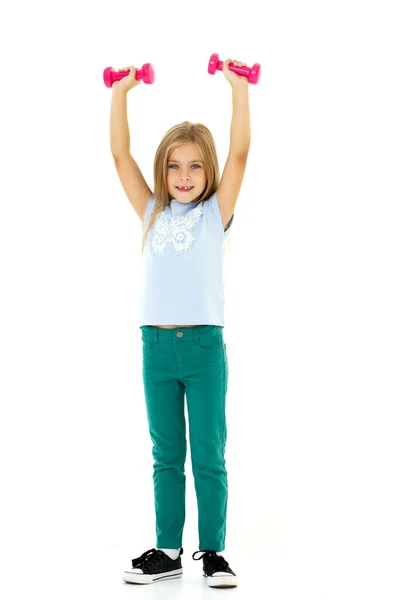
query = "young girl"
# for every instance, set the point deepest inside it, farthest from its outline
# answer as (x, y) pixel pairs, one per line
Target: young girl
(185, 224)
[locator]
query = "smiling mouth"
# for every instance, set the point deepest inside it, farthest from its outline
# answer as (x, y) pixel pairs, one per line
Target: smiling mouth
(185, 188)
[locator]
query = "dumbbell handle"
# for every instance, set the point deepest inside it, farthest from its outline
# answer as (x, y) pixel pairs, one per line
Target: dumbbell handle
(238, 70)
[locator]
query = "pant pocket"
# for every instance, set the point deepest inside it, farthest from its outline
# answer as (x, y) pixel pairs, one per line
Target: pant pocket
(211, 342)
(146, 344)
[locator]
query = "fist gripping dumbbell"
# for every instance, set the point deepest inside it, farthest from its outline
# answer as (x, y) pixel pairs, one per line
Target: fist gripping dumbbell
(252, 73)
(146, 73)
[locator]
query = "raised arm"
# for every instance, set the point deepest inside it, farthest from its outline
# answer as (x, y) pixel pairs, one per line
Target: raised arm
(232, 176)
(132, 180)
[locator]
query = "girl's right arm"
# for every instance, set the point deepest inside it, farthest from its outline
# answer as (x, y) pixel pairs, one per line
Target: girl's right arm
(132, 180)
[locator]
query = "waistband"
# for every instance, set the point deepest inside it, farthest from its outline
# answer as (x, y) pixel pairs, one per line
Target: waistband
(192, 333)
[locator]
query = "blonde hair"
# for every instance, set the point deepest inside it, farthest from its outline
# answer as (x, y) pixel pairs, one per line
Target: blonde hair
(174, 137)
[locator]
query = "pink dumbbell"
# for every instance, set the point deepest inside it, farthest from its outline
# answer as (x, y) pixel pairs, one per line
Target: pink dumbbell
(252, 73)
(146, 73)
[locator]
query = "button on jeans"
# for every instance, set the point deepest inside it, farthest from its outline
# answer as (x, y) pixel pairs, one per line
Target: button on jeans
(188, 361)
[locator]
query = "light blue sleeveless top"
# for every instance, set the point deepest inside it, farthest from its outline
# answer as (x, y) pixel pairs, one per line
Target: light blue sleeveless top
(182, 265)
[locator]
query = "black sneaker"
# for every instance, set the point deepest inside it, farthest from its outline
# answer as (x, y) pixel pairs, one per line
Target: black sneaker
(216, 570)
(154, 565)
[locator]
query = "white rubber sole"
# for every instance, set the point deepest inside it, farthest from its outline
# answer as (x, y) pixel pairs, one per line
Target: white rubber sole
(137, 577)
(221, 581)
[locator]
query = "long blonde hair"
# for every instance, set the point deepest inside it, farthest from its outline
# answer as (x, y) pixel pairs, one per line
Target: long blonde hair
(174, 137)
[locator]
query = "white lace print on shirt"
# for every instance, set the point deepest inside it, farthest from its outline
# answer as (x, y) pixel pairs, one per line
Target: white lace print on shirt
(175, 230)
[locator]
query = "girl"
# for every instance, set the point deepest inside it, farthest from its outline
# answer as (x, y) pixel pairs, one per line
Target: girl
(185, 224)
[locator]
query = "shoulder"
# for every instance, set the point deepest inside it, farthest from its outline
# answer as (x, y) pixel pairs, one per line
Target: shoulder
(149, 209)
(217, 212)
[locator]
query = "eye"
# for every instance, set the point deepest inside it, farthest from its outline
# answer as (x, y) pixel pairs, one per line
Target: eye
(174, 165)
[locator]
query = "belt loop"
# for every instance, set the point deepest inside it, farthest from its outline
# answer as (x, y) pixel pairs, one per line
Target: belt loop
(197, 334)
(157, 334)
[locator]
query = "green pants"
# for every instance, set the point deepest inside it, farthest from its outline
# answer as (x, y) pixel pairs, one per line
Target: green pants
(192, 362)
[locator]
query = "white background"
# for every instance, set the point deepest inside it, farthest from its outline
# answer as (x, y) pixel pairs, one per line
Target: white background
(312, 286)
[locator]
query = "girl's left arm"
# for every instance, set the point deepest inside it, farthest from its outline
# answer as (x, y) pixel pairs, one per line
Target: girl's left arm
(232, 176)
(240, 125)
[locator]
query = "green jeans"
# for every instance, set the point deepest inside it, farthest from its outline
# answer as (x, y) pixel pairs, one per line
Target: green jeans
(189, 361)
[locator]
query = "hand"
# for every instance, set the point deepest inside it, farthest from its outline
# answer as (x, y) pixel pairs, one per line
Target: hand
(127, 83)
(234, 78)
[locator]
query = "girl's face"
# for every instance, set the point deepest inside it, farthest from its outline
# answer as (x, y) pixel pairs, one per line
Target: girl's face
(185, 169)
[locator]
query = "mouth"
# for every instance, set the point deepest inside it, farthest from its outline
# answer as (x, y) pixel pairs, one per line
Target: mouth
(185, 188)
